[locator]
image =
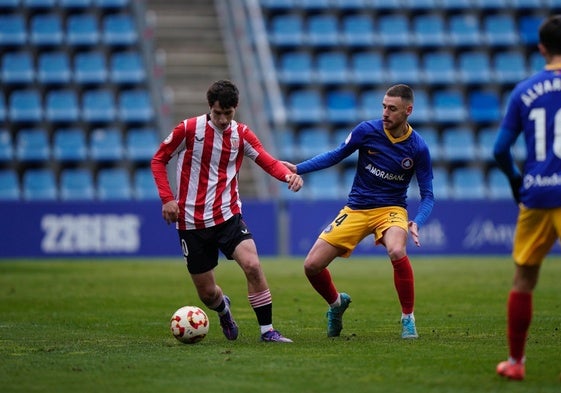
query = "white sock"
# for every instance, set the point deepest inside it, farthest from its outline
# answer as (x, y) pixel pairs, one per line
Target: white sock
(404, 316)
(266, 328)
(337, 302)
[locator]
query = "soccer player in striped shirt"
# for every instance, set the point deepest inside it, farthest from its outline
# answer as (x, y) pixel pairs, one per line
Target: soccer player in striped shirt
(390, 153)
(534, 110)
(207, 207)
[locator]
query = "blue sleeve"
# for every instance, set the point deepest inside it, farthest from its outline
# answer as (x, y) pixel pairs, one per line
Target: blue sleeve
(424, 179)
(324, 160)
(505, 139)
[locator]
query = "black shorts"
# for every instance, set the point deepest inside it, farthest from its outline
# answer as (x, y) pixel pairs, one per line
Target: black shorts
(200, 246)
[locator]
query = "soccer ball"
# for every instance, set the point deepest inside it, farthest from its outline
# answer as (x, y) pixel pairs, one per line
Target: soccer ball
(189, 324)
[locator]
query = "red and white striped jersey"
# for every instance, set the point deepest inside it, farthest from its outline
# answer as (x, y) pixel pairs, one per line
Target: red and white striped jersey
(208, 163)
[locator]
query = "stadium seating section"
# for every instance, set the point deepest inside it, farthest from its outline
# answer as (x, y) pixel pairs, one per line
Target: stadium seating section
(462, 57)
(79, 122)
(78, 119)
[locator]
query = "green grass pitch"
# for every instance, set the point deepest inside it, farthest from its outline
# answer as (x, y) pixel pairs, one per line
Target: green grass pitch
(103, 326)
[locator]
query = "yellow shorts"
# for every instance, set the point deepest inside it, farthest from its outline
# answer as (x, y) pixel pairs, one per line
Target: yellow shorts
(536, 232)
(351, 226)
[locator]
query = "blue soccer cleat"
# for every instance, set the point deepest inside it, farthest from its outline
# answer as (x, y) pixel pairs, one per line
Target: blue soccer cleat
(274, 336)
(408, 329)
(335, 316)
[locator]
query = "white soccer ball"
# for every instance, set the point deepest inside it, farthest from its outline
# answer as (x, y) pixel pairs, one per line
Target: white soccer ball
(189, 324)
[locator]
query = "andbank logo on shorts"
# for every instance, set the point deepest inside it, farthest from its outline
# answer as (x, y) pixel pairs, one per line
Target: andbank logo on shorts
(542, 181)
(90, 233)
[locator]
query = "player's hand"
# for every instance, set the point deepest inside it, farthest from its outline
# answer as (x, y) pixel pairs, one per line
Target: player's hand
(515, 185)
(290, 166)
(170, 212)
(295, 182)
(414, 230)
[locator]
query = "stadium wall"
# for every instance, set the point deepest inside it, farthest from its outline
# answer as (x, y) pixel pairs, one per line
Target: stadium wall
(136, 229)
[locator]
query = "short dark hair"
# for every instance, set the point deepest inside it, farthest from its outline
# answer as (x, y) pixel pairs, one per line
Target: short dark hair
(550, 34)
(401, 90)
(225, 92)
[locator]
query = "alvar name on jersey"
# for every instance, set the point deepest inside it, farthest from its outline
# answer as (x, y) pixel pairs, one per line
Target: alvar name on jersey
(383, 174)
(539, 89)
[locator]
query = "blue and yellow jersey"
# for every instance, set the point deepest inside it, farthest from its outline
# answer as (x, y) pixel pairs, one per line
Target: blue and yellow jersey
(384, 169)
(534, 109)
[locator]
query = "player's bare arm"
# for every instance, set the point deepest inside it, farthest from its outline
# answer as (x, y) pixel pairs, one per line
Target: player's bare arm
(290, 166)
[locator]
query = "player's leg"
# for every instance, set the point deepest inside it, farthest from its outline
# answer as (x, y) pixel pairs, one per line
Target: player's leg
(201, 257)
(534, 236)
(236, 243)
(392, 232)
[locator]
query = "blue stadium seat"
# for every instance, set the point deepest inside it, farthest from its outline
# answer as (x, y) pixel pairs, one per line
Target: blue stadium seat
(305, 106)
(141, 144)
(500, 30)
(459, 144)
(367, 68)
(119, 30)
(358, 30)
(12, 30)
(3, 108)
(420, 5)
(487, 5)
(54, 68)
(32, 145)
(82, 30)
(554, 5)
(475, 67)
(106, 145)
(17, 68)
(25, 106)
(385, 5)
(429, 30)
(90, 68)
(9, 185)
(6, 146)
(519, 149)
(485, 143)
(520, 5)
(46, 30)
(69, 145)
(422, 111)
(509, 67)
(75, 4)
(135, 106)
(404, 67)
(285, 144)
(111, 5)
(332, 67)
(277, 5)
(313, 141)
(39, 4)
(287, 30)
(432, 139)
(323, 30)
(61, 106)
(9, 5)
(394, 30)
(528, 27)
(449, 106)
(484, 107)
(441, 183)
(464, 30)
(114, 184)
(76, 184)
(342, 107)
(498, 186)
(455, 5)
(347, 180)
(127, 68)
(468, 183)
(296, 68)
(99, 106)
(144, 185)
(371, 103)
(439, 68)
(39, 184)
(536, 62)
(324, 184)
